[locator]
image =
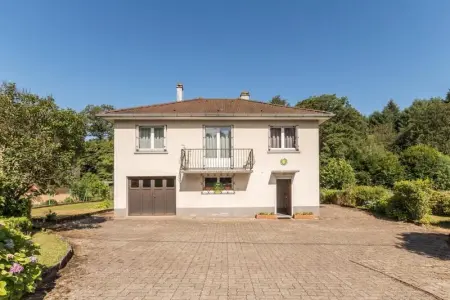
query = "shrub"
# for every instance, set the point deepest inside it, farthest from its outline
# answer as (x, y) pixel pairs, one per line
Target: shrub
(51, 216)
(410, 201)
(22, 224)
(13, 204)
(51, 202)
(19, 270)
(69, 200)
(106, 204)
(367, 196)
(423, 161)
(328, 196)
(337, 174)
(381, 166)
(440, 203)
(88, 188)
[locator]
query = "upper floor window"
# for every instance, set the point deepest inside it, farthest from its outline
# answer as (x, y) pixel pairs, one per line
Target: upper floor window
(151, 138)
(283, 138)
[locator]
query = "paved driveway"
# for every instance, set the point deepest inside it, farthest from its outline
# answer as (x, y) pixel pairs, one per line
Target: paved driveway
(345, 255)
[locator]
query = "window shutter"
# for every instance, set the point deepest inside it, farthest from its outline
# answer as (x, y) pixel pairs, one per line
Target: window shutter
(268, 139)
(204, 146)
(137, 138)
(165, 138)
(296, 138)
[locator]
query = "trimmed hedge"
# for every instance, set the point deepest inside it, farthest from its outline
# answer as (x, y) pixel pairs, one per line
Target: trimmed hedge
(440, 203)
(411, 200)
(367, 196)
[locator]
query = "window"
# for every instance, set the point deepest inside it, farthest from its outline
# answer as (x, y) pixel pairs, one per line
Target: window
(146, 183)
(158, 182)
(283, 138)
(217, 142)
(218, 185)
(151, 138)
(134, 183)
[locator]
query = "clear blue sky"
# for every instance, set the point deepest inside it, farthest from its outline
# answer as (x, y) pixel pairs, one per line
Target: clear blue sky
(133, 52)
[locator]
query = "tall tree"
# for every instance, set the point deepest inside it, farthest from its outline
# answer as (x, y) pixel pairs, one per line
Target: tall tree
(385, 125)
(39, 142)
(277, 100)
(97, 127)
(342, 135)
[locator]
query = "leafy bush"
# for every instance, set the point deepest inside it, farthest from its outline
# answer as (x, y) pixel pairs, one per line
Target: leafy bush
(411, 200)
(328, 196)
(423, 161)
(106, 204)
(22, 224)
(337, 174)
(51, 202)
(19, 270)
(69, 200)
(367, 196)
(89, 188)
(51, 216)
(440, 203)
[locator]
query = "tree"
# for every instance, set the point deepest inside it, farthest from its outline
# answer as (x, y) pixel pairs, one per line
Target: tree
(385, 125)
(98, 158)
(277, 100)
(425, 122)
(39, 142)
(342, 135)
(97, 127)
(336, 174)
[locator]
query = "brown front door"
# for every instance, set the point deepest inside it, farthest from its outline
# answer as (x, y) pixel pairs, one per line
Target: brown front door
(284, 196)
(151, 196)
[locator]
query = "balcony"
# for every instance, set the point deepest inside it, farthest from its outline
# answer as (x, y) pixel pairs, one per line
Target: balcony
(227, 160)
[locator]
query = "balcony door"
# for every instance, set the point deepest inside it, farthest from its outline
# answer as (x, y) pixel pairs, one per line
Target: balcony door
(217, 147)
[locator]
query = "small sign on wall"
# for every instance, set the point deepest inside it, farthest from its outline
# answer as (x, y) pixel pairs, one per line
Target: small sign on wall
(283, 161)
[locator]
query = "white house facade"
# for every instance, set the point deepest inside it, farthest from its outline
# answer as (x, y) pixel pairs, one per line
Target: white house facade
(215, 157)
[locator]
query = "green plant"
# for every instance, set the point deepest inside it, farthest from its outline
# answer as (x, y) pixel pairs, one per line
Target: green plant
(106, 204)
(410, 201)
(19, 270)
(337, 174)
(266, 213)
(218, 187)
(305, 213)
(440, 203)
(69, 200)
(51, 202)
(89, 188)
(22, 224)
(329, 196)
(367, 196)
(50, 216)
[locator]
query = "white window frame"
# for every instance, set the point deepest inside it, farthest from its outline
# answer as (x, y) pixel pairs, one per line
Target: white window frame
(152, 148)
(233, 187)
(282, 138)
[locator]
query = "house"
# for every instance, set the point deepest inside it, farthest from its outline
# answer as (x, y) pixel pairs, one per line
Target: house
(215, 157)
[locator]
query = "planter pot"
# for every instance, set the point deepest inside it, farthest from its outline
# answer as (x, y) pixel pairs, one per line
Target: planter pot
(270, 217)
(305, 217)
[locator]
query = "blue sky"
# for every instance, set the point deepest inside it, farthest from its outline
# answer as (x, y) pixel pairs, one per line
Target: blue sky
(129, 53)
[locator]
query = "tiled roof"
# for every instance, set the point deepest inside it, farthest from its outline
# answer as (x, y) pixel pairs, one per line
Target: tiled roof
(217, 106)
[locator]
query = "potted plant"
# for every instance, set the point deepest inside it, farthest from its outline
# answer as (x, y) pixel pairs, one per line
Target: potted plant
(304, 215)
(266, 215)
(218, 188)
(227, 187)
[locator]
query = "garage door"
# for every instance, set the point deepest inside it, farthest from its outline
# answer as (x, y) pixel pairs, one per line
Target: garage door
(148, 196)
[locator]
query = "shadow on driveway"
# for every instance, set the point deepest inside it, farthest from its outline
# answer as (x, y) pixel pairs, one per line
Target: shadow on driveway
(431, 244)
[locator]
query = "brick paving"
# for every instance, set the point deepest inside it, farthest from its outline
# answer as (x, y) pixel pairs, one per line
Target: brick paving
(345, 255)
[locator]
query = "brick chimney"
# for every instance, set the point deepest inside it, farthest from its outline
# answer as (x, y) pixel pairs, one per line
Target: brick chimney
(179, 92)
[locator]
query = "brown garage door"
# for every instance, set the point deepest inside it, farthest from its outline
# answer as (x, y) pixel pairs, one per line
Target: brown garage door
(151, 196)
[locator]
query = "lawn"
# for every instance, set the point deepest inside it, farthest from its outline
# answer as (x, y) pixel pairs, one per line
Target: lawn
(440, 221)
(68, 210)
(52, 249)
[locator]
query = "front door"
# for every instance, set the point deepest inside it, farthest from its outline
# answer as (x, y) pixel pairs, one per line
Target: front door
(217, 147)
(284, 196)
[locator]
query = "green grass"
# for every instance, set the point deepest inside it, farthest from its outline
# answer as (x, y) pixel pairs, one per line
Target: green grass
(52, 249)
(440, 221)
(68, 210)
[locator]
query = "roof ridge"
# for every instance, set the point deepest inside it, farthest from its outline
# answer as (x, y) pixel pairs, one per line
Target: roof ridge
(151, 105)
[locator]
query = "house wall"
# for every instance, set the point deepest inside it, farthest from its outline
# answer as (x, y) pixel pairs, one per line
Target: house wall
(254, 192)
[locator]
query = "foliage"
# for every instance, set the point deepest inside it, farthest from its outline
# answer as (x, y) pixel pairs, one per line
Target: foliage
(440, 203)
(385, 125)
(277, 100)
(98, 158)
(69, 200)
(377, 166)
(97, 127)
(39, 143)
(266, 213)
(337, 174)
(411, 200)
(19, 270)
(423, 161)
(106, 204)
(342, 135)
(304, 213)
(51, 216)
(426, 122)
(22, 224)
(367, 196)
(51, 202)
(89, 188)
